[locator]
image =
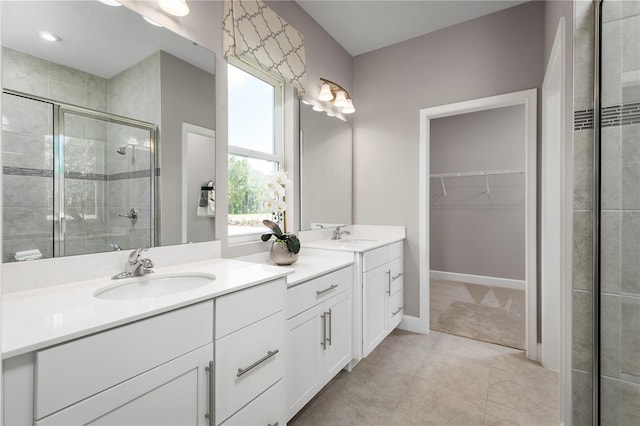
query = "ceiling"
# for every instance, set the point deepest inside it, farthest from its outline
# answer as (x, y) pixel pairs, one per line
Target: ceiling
(94, 38)
(361, 26)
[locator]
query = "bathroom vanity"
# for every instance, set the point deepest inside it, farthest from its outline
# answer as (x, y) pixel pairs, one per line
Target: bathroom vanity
(210, 355)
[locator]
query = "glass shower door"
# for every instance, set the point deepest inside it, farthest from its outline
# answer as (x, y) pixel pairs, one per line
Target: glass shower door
(106, 186)
(28, 192)
(618, 296)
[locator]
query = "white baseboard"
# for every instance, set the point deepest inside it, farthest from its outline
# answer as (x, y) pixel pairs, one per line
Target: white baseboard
(478, 279)
(412, 324)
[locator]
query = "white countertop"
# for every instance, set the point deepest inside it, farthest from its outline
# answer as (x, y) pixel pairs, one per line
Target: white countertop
(354, 244)
(38, 318)
(311, 263)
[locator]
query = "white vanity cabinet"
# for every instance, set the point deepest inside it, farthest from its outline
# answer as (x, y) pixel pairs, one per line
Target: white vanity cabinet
(249, 356)
(382, 294)
(151, 372)
(319, 339)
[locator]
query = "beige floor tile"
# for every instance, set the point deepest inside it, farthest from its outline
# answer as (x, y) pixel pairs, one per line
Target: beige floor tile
(426, 404)
(437, 379)
(499, 415)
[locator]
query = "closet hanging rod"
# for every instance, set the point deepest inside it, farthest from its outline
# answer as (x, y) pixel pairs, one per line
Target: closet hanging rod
(482, 173)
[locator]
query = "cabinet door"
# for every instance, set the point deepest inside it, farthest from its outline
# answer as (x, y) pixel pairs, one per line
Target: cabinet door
(374, 300)
(175, 393)
(303, 359)
(337, 322)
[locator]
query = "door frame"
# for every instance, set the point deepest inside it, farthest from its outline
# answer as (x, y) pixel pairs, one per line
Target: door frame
(527, 98)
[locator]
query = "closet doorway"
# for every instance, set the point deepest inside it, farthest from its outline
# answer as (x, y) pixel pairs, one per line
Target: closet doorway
(478, 220)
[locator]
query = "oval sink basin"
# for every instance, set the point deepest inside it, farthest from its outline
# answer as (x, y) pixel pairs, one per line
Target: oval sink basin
(152, 286)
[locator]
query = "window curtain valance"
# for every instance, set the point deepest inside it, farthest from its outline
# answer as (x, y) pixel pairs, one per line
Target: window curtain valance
(254, 33)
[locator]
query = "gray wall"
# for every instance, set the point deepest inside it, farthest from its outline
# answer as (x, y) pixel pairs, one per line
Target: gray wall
(188, 95)
(472, 232)
(495, 54)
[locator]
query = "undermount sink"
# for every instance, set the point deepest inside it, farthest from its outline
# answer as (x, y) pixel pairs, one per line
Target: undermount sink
(153, 285)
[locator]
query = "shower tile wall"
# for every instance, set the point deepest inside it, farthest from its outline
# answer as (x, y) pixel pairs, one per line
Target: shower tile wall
(620, 217)
(92, 164)
(583, 212)
(133, 93)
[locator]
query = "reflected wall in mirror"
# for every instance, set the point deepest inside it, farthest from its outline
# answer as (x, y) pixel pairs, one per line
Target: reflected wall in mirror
(92, 129)
(326, 154)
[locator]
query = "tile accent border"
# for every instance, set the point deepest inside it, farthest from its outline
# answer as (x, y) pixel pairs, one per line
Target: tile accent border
(612, 116)
(24, 171)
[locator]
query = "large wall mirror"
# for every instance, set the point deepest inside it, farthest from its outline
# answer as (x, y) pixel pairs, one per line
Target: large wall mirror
(326, 153)
(97, 127)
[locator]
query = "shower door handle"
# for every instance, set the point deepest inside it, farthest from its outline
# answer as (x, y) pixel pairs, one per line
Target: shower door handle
(132, 215)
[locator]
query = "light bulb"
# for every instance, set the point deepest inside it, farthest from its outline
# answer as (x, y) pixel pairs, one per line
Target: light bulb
(45, 35)
(341, 99)
(325, 93)
(348, 107)
(174, 7)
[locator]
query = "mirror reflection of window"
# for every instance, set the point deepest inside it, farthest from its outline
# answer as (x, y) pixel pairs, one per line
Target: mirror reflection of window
(255, 148)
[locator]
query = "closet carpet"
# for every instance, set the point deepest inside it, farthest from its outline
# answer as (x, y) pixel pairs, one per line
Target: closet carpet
(437, 379)
(490, 314)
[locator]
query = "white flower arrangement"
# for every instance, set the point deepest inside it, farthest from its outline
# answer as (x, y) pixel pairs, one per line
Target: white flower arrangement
(276, 184)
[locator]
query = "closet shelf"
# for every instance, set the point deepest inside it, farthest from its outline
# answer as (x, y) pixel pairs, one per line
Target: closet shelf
(480, 173)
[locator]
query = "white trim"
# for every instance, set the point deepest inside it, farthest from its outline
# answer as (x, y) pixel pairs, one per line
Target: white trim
(556, 350)
(527, 98)
(478, 279)
(410, 323)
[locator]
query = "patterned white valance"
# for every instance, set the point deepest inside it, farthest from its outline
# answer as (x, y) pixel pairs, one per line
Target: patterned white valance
(251, 31)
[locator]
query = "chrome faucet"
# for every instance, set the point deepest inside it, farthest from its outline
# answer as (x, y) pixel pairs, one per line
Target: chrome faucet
(338, 232)
(136, 266)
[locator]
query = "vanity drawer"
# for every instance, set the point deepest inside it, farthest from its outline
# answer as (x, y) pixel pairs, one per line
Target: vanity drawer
(395, 310)
(247, 363)
(308, 294)
(374, 258)
(267, 409)
(76, 370)
(396, 276)
(237, 310)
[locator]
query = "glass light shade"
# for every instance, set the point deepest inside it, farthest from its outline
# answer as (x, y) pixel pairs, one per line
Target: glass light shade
(151, 21)
(341, 99)
(348, 107)
(325, 93)
(113, 3)
(317, 108)
(174, 7)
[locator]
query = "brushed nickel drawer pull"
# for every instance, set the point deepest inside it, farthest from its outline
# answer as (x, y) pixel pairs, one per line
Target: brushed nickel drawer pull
(397, 311)
(323, 343)
(388, 281)
(326, 290)
(269, 354)
(330, 326)
(212, 387)
(397, 276)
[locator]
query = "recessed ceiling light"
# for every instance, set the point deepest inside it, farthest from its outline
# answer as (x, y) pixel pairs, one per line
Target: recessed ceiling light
(151, 21)
(45, 35)
(110, 3)
(174, 7)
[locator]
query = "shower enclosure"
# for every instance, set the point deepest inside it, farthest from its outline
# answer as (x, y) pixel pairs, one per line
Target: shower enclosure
(616, 295)
(76, 181)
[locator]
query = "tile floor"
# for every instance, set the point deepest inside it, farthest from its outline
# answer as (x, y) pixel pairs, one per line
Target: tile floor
(437, 379)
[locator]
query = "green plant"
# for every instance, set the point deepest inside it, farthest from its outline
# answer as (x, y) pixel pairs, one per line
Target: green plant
(292, 242)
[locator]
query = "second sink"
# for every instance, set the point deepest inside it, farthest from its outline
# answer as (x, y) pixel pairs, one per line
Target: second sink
(153, 285)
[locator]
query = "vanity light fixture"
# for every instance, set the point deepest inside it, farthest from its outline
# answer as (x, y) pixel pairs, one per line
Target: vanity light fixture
(46, 35)
(338, 95)
(174, 7)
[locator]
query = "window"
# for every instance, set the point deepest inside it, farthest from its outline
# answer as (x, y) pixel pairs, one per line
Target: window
(255, 148)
